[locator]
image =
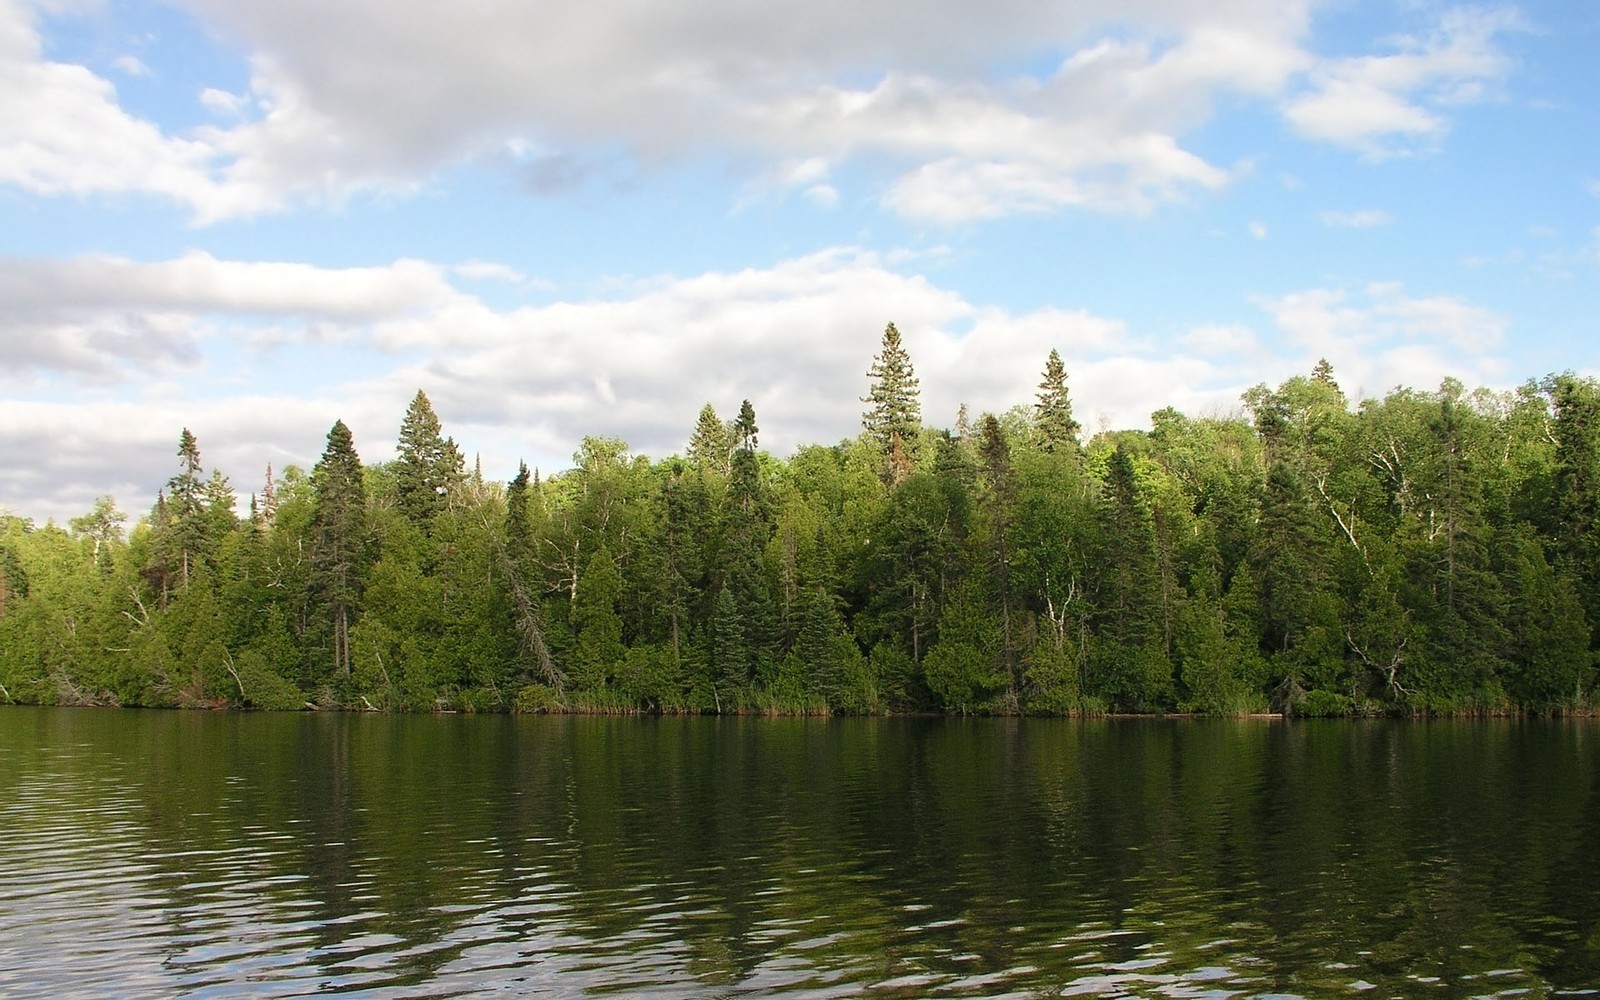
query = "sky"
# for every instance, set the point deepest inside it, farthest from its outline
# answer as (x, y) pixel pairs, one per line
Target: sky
(582, 218)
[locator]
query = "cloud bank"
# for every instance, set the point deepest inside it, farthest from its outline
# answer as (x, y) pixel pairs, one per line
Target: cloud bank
(144, 347)
(963, 110)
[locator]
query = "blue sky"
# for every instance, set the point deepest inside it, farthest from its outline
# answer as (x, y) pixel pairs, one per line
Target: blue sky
(589, 218)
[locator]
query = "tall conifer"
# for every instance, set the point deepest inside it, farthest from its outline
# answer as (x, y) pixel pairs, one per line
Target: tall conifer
(430, 468)
(894, 418)
(341, 551)
(1053, 412)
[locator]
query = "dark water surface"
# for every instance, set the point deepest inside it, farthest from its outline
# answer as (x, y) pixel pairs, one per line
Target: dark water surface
(166, 853)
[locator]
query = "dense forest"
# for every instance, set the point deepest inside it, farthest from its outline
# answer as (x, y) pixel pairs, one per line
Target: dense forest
(1427, 552)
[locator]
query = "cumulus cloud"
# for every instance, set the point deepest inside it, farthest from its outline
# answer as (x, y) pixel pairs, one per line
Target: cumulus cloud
(130, 66)
(362, 95)
(109, 319)
(637, 361)
(1213, 339)
(63, 132)
(1395, 104)
(1382, 337)
(795, 337)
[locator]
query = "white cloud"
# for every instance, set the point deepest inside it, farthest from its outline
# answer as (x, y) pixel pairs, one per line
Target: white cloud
(130, 66)
(1365, 218)
(1382, 337)
(108, 319)
(1258, 230)
(822, 195)
(223, 103)
(483, 270)
(637, 362)
(796, 338)
(1220, 339)
(1393, 105)
(359, 95)
(62, 131)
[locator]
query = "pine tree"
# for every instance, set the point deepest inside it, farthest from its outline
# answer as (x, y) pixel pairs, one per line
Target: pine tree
(340, 540)
(894, 419)
(1053, 413)
(430, 469)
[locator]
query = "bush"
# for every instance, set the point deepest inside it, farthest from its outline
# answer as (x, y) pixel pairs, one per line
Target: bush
(1323, 704)
(536, 698)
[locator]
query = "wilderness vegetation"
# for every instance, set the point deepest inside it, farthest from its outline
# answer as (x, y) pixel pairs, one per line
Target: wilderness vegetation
(1427, 552)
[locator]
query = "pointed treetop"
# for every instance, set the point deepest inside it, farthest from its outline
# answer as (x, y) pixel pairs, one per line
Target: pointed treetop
(894, 415)
(1323, 373)
(185, 487)
(430, 468)
(1053, 412)
(744, 427)
(709, 446)
(189, 453)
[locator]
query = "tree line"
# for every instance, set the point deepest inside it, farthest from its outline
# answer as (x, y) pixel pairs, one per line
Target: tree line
(1427, 552)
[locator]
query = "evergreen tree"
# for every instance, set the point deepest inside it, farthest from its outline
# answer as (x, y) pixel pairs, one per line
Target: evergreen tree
(730, 651)
(1131, 667)
(894, 418)
(516, 559)
(745, 531)
(185, 514)
(429, 471)
(341, 543)
(1053, 412)
(710, 448)
(13, 577)
(999, 480)
(1576, 524)
(268, 508)
(599, 652)
(1323, 374)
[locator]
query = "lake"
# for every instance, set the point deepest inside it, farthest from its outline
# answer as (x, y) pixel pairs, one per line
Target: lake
(147, 853)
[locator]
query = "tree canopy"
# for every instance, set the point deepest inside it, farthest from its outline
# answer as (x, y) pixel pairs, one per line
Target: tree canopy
(1427, 552)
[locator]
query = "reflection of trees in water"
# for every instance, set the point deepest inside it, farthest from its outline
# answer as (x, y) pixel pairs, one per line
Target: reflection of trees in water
(929, 853)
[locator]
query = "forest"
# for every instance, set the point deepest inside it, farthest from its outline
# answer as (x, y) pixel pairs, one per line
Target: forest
(1429, 552)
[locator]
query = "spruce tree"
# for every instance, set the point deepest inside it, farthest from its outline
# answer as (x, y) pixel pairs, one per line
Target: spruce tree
(1000, 487)
(746, 529)
(430, 469)
(710, 447)
(186, 495)
(341, 547)
(894, 418)
(1131, 666)
(1053, 412)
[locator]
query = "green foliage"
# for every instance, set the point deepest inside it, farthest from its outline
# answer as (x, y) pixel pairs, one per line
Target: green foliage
(1052, 414)
(429, 472)
(893, 419)
(1321, 704)
(1426, 552)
